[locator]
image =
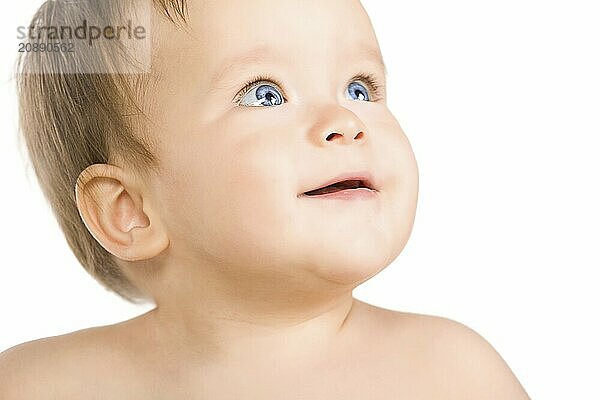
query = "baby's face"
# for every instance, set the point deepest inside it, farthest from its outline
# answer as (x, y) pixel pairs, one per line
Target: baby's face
(235, 162)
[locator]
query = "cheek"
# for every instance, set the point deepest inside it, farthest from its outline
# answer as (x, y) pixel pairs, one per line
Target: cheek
(243, 195)
(190, 193)
(392, 157)
(260, 190)
(403, 190)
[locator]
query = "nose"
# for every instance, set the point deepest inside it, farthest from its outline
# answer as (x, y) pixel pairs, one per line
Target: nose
(336, 124)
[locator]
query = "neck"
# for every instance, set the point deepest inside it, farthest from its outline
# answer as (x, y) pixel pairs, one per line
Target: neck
(249, 314)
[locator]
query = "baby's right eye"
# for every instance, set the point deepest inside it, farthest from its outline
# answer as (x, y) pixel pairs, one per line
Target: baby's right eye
(261, 93)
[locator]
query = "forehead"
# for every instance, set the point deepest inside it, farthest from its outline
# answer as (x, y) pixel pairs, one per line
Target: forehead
(235, 62)
(235, 32)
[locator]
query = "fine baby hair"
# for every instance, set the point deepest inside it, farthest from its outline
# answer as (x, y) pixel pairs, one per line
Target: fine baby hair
(81, 108)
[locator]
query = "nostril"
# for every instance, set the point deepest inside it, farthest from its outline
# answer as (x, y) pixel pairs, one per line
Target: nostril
(331, 135)
(360, 135)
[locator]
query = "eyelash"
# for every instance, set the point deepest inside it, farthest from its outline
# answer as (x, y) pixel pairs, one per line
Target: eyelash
(370, 79)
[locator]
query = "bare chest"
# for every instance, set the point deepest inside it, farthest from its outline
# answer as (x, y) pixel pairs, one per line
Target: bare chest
(373, 378)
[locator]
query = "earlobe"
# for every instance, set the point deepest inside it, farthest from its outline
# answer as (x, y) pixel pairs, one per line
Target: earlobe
(115, 212)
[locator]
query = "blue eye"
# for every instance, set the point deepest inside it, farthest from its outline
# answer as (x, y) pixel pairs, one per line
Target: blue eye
(261, 95)
(358, 91)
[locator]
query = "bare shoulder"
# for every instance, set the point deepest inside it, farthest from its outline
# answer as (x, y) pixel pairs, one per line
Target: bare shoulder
(61, 367)
(33, 370)
(454, 356)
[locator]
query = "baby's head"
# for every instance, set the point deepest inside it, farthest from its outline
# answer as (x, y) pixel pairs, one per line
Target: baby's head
(196, 174)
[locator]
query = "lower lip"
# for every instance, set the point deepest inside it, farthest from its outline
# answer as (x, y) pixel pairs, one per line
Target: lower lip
(348, 194)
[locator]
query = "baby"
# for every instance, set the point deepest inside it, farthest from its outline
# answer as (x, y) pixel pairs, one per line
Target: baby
(245, 185)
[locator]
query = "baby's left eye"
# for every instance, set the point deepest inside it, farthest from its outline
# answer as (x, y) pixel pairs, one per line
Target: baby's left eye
(358, 92)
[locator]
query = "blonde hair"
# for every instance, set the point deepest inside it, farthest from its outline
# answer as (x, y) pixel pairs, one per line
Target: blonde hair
(72, 119)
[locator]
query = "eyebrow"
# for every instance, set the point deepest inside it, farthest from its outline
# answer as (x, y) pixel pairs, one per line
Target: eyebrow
(264, 52)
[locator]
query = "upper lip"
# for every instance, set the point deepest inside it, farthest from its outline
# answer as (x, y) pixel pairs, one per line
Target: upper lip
(365, 177)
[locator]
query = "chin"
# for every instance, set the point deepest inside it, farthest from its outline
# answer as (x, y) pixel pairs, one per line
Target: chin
(351, 267)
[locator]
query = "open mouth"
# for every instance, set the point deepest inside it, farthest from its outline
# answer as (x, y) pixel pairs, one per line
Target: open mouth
(349, 184)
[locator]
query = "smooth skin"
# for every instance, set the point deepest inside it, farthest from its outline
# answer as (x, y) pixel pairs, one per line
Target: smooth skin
(253, 284)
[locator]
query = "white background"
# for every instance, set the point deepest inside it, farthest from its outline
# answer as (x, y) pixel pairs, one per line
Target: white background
(501, 102)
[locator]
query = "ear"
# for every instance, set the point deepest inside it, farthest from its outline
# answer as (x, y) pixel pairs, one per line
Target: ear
(114, 211)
